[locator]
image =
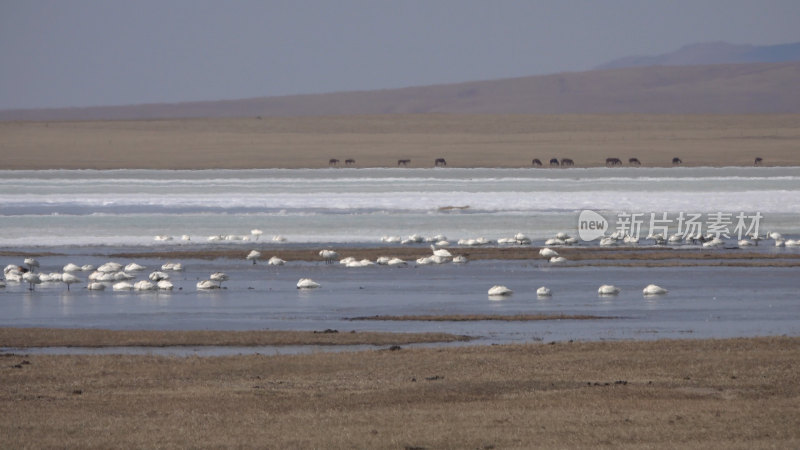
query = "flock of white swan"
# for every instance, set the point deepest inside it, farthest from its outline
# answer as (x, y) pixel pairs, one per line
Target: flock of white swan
(123, 278)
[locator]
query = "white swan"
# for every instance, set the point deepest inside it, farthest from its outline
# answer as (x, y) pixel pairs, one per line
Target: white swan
(122, 286)
(206, 285)
(162, 237)
(110, 267)
(164, 285)
(175, 267)
(255, 232)
(557, 259)
(144, 285)
(443, 253)
(69, 278)
(714, 243)
(548, 252)
(87, 268)
(460, 259)
(122, 276)
(498, 290)
(32, 264)
(521, 239)
(275, 261)
(307, 283)
(31, 278)
(72, 268)
(219, 277)
(396, 262)
(745, 243)
(543, 292)
(792, 243)
(133, 267)
(329, 256)
(278, 238)
(158, 276)
(608, 289)
(96, 286)
(652, 289)
(254, 256)
(424, 261)
(186, 237)
(554, 241)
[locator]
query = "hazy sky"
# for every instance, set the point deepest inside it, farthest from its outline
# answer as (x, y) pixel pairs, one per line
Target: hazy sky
(105, 52)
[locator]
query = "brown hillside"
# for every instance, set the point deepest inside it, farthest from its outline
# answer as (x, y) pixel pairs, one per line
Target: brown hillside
(711, 89)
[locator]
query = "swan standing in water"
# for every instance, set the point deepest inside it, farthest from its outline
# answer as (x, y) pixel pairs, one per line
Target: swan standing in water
(219, 277)
(32, 264)
(256, 233)
(254, 256)
(69, 278)
(31, 278)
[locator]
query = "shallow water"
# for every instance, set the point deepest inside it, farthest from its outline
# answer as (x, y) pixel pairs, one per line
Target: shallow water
(703, 302)
(87, 215)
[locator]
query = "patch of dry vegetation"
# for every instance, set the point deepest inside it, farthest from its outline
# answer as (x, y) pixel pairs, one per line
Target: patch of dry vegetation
(478, 317)
(495, 140)
(739, 393)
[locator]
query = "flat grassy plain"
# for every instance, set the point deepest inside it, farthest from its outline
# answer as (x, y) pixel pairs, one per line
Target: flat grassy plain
(381, 140)
(736, 393)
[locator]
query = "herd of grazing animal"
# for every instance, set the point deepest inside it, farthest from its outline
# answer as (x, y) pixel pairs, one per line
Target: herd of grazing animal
(536, 162)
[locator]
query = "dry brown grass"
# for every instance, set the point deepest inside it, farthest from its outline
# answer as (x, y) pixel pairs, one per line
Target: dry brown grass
(380, 140)
(60, 337)
(478, 317)
(739, 393)
(580, 256)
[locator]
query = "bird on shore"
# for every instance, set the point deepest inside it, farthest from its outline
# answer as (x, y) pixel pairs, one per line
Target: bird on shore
(548, 252)
(329, 256)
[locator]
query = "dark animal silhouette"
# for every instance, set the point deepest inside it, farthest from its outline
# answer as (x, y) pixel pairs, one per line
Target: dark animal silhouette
(554, 162)
(333, 162)
(758, 161)
(349, 162)
(440, 162)
(676, 161)
(634, 162)
(536, 163)
(611, 162)
(566, 162)
(403, 162)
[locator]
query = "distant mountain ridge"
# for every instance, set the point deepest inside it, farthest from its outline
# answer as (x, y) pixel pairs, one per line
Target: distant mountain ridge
(712, 53)
(753, 88)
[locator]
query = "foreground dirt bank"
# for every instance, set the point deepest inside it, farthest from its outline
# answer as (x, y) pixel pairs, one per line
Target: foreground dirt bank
(738, 393)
